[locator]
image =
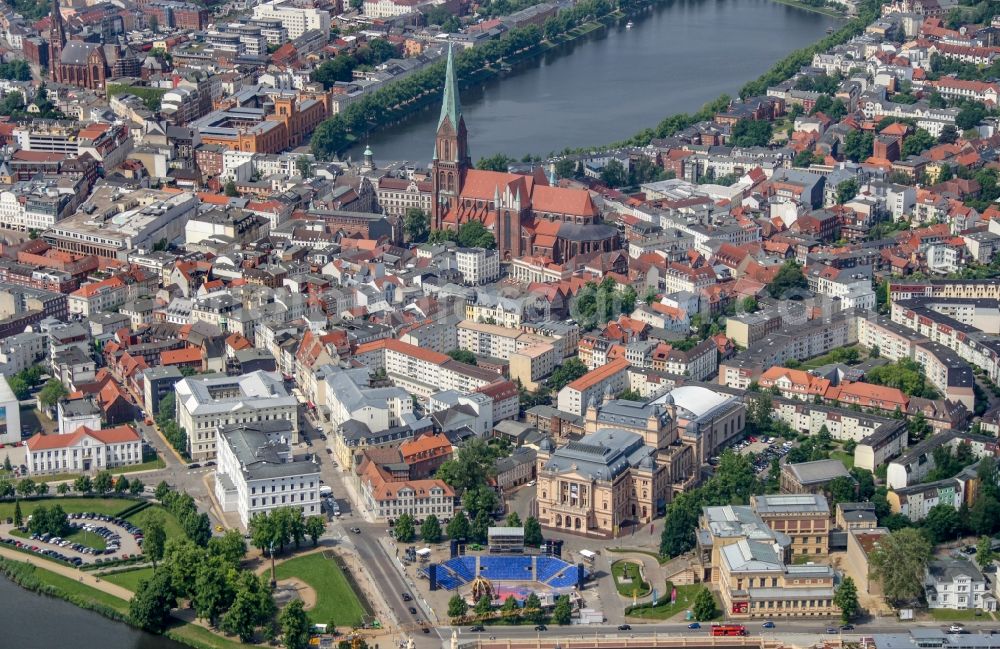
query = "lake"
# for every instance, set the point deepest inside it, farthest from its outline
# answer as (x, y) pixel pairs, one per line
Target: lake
(614, 82)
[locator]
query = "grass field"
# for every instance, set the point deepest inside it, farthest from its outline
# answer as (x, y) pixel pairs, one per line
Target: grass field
(948, 615)
(845, 457)
(335, 600)
(196, 636)
(666, 610)
(108, 506)
(129, 579)
(74, 588)
(170, 524)
(90, 539)
(628, 579)
(152, 465)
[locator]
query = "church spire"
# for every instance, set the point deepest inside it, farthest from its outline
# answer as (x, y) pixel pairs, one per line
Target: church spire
(57, 40)
(451, 107)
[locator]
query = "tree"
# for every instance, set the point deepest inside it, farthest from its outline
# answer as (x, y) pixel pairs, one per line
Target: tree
(136, 486)
(241, 618)
(230, 189)
(62, 489)
(18, 516)
(513, 520)
(479, 529)
(154, 23)
(103, 482)
(803, 158)
(704, 605)
(949, 134)
(121, 484)
(294, 626)
(841, 490)
(532, 532)
(26, 487)
(198, 528)
(614, 174)
(473, 234)
(942, 523)
(150, 607)
(750, 304)
(463, 356)
(565, 168)
(83, 484)
(917, 143)
(483, 606)
(304, 166)
(315, 526)
(847, 190)
(566, 373)
(230, 547)
(984, 551)
(510, 607)
(562, 613)
(20, 388)
(900, 561)
(404, 529)
(155, 539)
(430, 529)
(858, 145)
(496, 162)
(788, 282)
(457, 607)
(213, 593)
(417, 225)
(846, 599)
(971, 114)
(458, 527)
(750, 132)
(51, 393)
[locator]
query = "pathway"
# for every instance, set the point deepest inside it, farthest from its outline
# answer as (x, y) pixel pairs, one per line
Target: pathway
(72, 573)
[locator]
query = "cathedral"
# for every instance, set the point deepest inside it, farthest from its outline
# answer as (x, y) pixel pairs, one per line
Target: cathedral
(85, 64)
(527, 214)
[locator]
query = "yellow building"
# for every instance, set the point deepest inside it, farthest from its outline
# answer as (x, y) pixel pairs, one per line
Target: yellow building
(596, 485)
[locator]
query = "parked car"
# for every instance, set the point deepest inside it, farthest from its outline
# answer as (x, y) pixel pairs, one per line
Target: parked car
(955, 628)
(847, 627)
(406, 597)
(356, 530)
(831, 630)
(413, 611)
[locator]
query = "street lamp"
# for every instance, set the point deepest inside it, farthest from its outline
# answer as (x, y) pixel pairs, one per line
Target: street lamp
(274, 582)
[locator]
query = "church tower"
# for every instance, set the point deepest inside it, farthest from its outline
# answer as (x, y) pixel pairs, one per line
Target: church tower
(451, 149)
(57, 40)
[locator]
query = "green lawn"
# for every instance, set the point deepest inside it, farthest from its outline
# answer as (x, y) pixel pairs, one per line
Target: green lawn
(659, 557)
(75, 588)
(90, 539)
(110, 506)
(152, 465)
(831, 357)
(200, 637)
(335, 600)
(948, 615)
(628, 579)
(129, 578)
(170, 524)
(845, 457)
(666, 610)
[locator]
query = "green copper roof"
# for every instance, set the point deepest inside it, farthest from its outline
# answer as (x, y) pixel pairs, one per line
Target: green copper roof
(450, 106)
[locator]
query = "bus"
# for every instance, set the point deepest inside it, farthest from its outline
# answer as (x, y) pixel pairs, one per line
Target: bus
(728, 629)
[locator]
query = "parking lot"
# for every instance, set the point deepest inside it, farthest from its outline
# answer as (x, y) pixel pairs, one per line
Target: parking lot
(765, 449)
(122, 540)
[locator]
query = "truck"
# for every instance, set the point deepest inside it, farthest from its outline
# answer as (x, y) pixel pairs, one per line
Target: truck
(325, 492)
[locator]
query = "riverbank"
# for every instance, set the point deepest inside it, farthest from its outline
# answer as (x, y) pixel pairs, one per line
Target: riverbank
(826, 11)
(91, 593)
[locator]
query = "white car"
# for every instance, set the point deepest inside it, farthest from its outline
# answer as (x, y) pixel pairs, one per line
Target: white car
(955, 628)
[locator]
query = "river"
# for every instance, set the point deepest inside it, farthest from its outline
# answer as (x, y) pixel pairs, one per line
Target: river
(614, 82)
(32, 621)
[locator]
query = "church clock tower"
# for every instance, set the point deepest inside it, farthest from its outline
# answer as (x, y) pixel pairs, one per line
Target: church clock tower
(57, 41)
(451, 149)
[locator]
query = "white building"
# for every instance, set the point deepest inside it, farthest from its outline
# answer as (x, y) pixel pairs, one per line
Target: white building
(205, 404)
(10, 414)
(21, 351)
(84, 451)
(257, 471)
(297, 20)
(349, 397)
(478, 265)
(75, 414)
(957, 584)
(608, 379)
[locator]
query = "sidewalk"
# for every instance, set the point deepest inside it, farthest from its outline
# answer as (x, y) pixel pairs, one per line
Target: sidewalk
(69, 573)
